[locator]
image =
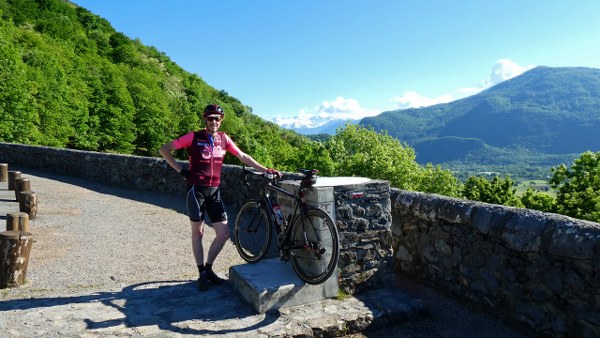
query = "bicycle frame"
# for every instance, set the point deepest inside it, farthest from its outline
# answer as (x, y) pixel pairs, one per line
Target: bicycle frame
(282, 240)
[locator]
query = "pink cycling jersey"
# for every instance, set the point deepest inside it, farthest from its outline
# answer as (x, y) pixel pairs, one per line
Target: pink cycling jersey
(206, 154)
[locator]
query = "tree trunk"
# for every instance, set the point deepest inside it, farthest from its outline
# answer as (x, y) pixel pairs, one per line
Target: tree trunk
(17, 221)
(28, 203)
(15, 247)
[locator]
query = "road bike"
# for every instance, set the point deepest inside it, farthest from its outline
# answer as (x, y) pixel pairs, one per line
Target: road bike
(307, 237)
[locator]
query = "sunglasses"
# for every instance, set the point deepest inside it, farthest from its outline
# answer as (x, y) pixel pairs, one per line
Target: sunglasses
(213, 119)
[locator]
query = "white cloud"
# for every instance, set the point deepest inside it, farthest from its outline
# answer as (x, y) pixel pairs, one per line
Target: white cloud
(503, 69)
(338, 109)
(412, 99)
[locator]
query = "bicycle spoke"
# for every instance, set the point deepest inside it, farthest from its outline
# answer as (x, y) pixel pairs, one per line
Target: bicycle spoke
(316, 237)
(252, 232)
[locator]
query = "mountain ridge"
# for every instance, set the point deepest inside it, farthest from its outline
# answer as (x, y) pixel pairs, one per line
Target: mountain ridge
(545, 111)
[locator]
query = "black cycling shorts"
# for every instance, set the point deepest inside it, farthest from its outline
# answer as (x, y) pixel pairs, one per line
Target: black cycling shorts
(201, 200)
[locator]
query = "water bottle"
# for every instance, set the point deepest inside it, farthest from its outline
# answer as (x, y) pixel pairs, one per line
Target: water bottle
(278, 214)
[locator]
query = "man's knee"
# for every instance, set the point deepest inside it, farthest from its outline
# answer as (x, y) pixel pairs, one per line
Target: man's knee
(222, 231)
(197, 228)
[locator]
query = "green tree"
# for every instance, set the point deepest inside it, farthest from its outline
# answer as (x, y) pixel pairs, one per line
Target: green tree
(534, 199)
(47, 71)
(497, 191)
(578, 187)
(434, 179)
(18, 119)
(360, 151)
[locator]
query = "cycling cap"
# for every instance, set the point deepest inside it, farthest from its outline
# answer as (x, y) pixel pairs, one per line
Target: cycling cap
(213, 109)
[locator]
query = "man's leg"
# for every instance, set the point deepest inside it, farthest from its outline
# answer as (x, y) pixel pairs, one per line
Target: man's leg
(222, 235)
(197, 234)
(197, 248)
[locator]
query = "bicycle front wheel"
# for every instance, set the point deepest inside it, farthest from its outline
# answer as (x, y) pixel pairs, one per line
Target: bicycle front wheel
(252, 232)
(315, 246)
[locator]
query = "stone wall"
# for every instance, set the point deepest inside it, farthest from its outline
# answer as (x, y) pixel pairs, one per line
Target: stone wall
(542, 269)
(137, 172)
(364, 219)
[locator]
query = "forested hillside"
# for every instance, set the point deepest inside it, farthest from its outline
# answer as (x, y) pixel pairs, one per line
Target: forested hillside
(543, 117)
(68, 79)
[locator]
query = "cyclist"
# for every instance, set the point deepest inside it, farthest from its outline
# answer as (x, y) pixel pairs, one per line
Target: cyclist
(206, 149)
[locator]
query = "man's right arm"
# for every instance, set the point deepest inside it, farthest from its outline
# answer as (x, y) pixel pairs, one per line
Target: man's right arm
(165, 151)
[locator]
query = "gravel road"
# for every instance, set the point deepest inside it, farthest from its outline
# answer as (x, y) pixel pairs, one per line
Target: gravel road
(90, 235)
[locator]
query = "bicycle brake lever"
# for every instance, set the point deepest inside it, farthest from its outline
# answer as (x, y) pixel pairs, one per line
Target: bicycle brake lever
(245, 174)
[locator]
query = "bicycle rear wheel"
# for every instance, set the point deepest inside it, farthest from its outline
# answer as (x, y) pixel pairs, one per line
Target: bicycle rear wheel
(252, 232)
(315, 238)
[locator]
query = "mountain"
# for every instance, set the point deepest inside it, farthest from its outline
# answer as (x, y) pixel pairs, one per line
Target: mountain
(543, 115)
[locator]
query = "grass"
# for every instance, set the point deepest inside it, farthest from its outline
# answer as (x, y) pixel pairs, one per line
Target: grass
(341, 295)
(540, 185)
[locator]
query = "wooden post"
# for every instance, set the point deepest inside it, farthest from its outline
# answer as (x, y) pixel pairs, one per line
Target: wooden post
(15, 247)
(3, 172)
(28, 203)
(22, 184)
(17, 221)
(12, 176)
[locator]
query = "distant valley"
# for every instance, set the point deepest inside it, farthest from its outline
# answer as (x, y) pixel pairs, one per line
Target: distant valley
(522, 126)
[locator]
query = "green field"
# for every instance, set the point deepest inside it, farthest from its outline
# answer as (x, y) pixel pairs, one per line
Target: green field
(540, 185)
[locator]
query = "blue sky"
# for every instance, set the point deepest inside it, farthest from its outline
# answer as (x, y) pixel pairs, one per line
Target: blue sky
(351, 58)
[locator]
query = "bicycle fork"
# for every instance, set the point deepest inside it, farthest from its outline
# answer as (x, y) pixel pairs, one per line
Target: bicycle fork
(312, 247)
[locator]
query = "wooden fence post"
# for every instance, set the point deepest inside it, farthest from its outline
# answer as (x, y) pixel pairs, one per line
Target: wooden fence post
(28, 203)
(15, 247)
(3, 172)
(12, 177)
(22, 184)
(17, 221)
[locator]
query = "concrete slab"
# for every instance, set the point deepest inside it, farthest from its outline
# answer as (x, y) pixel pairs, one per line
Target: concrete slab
(272, 284)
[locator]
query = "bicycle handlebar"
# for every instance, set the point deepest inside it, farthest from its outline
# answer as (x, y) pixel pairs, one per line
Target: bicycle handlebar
(309, 174)
(268, 175)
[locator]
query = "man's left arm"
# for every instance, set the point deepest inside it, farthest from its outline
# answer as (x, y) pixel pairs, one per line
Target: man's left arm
(249, 161)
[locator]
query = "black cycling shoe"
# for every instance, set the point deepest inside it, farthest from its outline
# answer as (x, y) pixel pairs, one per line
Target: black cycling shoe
(203, 281)
(213, 278)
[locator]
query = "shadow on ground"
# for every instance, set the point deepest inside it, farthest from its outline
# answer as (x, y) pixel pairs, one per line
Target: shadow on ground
(173, 306)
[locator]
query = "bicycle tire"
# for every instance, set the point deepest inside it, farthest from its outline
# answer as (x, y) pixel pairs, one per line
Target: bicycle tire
(311, 265)
(252, 232)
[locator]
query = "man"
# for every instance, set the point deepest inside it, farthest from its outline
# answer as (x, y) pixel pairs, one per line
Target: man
(206, 149)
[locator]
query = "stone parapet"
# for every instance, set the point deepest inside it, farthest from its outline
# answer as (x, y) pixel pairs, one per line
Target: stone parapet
(364, 219)
(540, 268)
(137, 172)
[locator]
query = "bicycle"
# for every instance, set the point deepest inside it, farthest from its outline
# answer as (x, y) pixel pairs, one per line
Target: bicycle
(307, 237)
